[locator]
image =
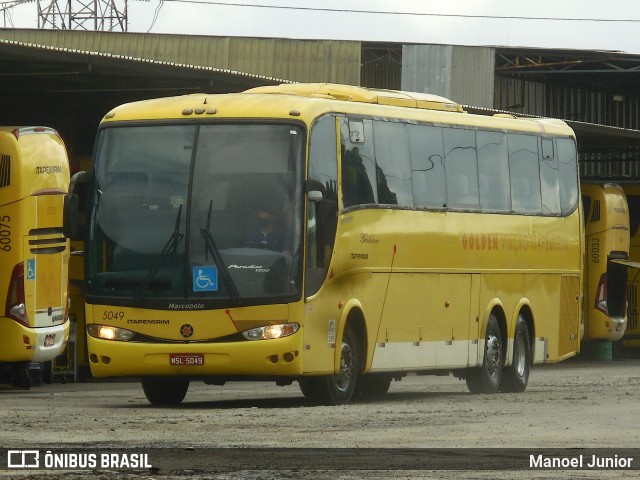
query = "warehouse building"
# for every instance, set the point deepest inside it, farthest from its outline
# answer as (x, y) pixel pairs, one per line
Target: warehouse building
(69, 79)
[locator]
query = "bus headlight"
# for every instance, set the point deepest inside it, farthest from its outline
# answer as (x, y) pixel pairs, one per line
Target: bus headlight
(106, 332)
(271, 331)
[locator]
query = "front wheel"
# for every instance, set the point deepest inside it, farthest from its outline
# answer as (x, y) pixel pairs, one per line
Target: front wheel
(516, 376)
(487, 378)
(374, 384)
(338, 388)
(165, 391)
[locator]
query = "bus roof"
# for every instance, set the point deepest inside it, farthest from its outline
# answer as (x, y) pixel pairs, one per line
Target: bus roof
(306, 101)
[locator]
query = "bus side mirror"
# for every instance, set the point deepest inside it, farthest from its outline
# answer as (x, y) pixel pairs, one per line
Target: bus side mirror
(75, 207)
(326, 210)
(315, 196)
(315, 191)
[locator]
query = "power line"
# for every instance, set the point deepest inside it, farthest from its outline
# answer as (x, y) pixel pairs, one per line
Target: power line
(419, 14)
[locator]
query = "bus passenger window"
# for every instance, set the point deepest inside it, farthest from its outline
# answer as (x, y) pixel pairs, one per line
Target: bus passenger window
(427, 166)
(567, 169)
(393, 163)
(493, 171)
(549, 187)
(461, 166)
(525, 174)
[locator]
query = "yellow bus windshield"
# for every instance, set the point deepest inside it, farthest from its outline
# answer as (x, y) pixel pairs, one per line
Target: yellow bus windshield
(208, 213)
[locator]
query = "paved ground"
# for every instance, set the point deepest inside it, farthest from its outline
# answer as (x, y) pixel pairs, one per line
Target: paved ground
(252, 426)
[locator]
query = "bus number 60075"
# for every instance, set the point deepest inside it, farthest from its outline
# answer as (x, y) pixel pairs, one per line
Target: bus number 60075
(5, 233)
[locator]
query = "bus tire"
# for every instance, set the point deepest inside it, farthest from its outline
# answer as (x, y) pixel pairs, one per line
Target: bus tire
(165, 391)
(308, 387)
(487, 378)
(373, 384)
(338, 388)
(516, 376)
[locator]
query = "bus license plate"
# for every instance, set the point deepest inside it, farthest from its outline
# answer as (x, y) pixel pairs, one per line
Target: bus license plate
(50, 340)
(186, 359)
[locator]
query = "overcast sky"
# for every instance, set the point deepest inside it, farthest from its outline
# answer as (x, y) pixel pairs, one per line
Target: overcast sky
(581, 24)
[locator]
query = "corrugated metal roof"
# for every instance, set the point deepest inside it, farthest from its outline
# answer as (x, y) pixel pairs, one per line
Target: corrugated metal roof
(50, 48)
(334, 61)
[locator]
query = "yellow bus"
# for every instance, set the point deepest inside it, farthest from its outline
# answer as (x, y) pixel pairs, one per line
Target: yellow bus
(607, 252)
(410, 236)
(631, 336)
(34, 254)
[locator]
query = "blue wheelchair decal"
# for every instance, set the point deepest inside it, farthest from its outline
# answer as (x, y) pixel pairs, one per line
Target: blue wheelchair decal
(205, 279)
(31, 269)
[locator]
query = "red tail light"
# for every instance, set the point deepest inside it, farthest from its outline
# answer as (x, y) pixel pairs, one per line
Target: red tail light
(601, 295)
(15, 306)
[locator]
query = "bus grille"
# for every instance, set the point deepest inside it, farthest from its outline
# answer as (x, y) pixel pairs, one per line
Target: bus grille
(632, 302)
(43, 241)
(5, 170)
(595, 211)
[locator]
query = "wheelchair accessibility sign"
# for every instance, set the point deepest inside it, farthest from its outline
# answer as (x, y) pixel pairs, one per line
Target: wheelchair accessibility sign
(205, 279)
(31, 269)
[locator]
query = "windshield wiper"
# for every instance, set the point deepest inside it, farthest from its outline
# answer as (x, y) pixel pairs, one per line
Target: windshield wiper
(212, 248)
(172, 244)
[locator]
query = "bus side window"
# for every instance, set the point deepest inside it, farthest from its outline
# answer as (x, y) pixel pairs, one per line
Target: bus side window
(525, 174)
(568, 176)
(493, 171)
(461, 168)
(322, 214)
(549, 181)
(358, 166)
(427, 166)
(393, 163)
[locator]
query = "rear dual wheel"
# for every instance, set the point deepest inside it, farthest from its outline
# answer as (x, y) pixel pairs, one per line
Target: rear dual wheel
(516, 376)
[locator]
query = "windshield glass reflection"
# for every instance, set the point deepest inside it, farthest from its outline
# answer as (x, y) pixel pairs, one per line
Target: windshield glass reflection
(233, 232)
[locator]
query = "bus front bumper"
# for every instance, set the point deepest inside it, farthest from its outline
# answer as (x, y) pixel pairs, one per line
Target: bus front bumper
(276, 357)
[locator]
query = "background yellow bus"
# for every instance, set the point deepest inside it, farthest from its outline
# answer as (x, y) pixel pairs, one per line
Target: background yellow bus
(607, 246)
(631, 338)
(34, 254)
(414, 237)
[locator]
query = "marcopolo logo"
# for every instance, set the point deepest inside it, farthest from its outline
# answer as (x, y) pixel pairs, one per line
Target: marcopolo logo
(34, 459)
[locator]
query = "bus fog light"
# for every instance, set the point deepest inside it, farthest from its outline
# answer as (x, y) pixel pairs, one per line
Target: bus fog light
(106, 332)
(271, 331)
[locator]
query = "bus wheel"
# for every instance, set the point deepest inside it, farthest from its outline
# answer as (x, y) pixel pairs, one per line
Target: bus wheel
(308, 387)
(516, 376)
(336, 389)
(486, 379)
(165, 390)
(373, 384)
